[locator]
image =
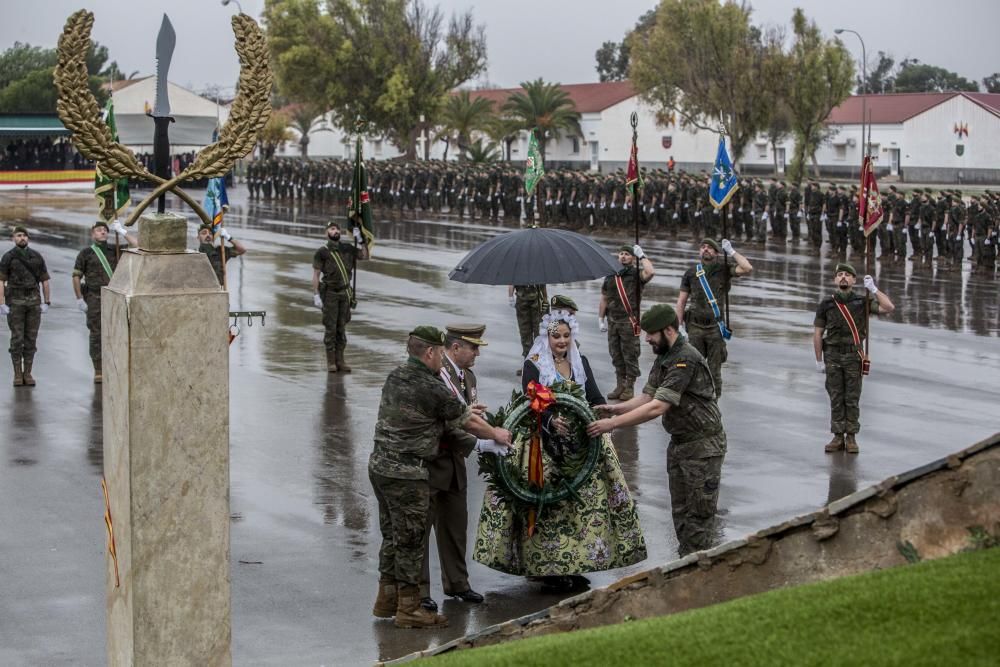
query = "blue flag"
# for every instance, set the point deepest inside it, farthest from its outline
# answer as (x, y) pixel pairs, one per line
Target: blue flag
(216, 202)
(724, 182)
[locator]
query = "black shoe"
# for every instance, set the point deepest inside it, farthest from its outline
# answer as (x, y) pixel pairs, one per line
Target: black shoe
(557, 584)
(429, 604)
(468, 596)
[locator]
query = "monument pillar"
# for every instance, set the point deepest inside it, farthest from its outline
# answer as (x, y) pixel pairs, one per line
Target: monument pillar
(166, 453)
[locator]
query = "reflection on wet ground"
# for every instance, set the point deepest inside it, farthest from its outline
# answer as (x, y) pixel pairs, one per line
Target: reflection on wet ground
(304, 530)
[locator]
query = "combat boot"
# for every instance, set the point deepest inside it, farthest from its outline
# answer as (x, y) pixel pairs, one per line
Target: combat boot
(852, 444)
(617, 391)
(341, 364)
(835, 445)
(331, 362)
(628, 390)
(18, 373)
(409, 613)
(98, 375)
(28, 380)
(387, 600)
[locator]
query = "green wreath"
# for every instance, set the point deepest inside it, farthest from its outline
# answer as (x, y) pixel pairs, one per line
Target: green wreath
(504, 474)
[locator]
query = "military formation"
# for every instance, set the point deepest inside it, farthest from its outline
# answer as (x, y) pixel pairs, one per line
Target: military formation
(918, 224)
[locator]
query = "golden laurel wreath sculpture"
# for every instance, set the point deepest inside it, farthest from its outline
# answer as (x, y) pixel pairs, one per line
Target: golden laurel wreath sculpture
(80, 114)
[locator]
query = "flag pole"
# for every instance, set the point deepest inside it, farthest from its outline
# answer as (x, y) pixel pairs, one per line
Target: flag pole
(634, 121)
(864, 221)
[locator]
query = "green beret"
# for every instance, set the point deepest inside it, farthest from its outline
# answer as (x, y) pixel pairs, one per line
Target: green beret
(100, 223)
(430, 335)
(712, 243)
(205, 226)
(627, 248)
(332, 223)
(561, 301)
(658, 317)
(844, 266)
(19, 230)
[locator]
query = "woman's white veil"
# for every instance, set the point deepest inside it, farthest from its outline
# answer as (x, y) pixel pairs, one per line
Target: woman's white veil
(540, 353)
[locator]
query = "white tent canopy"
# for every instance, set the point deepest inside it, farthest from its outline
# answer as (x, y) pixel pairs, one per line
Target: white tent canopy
(195, 117)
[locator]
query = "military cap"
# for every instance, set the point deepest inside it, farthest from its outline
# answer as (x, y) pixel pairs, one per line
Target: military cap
(332, 223)
(712, 243)
(957, 193)
(204, 225)
(844, 266)
(833, 185)
(564, 302)
(892, 187)
(625, 247)
(428, 334)
(658, 317)
(100, 223)
(19, 230)
(470, 333)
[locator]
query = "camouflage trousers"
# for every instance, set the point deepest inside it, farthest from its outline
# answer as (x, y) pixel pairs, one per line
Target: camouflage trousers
(843, 386)
(403, 510)
(759, 226)
(694, 479)
(336, 315)
(93, 301)
(708, 340)
(529, 319)
(23, 322)
(814, 229)
(623, 345)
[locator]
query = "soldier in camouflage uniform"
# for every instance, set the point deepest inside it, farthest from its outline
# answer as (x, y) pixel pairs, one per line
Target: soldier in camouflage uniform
(694, 309)
(22, 271)
(681, 390)
(93, 269)
(415, 412)
(839, 353)
(529, 302)
(333, 266)
(620, 319)
(215, 253)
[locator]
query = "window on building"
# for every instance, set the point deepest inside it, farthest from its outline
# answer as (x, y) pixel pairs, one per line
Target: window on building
(378, 147)
(840, 151)
(576, 145)
(762, 151)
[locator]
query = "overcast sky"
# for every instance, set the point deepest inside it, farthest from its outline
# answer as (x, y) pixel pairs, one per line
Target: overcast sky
(553, 39)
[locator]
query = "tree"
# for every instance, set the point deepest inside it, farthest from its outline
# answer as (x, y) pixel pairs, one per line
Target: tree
(881, 78)
(388, 62)
(702, 59)
(544, 107)
(460, 117)
(26, 84)
(779, 128)
(478, 152)
(992, 83)
(273, 134)
(916, 77)
(613, 57)
(820, 77)
(505, 131)
(304, 118)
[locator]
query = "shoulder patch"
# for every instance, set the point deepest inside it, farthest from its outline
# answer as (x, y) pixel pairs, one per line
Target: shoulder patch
(534, 357)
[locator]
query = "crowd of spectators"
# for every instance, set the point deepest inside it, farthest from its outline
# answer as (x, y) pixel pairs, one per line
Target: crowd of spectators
(42, 154)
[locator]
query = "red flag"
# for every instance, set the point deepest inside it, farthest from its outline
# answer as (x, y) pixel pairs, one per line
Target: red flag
(869, 200)
(632, 174)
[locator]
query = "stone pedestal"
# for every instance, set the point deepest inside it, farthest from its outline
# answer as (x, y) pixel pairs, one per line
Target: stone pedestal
(166, 453)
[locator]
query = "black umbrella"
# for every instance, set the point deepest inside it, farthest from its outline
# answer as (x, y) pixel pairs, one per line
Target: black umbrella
(535, 256)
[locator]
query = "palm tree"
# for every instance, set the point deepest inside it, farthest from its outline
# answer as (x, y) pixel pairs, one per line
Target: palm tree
(544, 107)
(504, 130)
(477, 152)
(304, 118)
(460, 117)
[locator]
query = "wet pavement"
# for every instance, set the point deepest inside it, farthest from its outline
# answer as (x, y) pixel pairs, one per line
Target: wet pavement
(304, 523)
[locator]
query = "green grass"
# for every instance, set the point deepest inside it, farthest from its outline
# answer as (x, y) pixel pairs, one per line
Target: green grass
(943, 612)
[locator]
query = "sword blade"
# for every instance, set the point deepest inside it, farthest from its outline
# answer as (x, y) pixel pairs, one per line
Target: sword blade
(165, 42)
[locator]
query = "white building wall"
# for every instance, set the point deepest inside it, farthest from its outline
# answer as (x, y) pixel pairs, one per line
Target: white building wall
(931, 138)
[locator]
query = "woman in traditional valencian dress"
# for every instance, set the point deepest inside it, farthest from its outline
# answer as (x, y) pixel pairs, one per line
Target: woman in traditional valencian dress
(599, 530)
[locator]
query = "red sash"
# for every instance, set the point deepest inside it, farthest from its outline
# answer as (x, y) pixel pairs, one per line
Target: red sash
(865, 362)
(628, 306)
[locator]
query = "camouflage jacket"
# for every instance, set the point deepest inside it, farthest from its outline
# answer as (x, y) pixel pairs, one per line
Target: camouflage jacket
(215, 257)
(325, 262)
(698, 310)
(682, 378)
(616, 309)
(22, 270)
(416, 410)
(88, 267)
(836, 331)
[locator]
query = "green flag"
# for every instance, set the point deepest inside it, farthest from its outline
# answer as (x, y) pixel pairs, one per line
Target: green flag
(359, 213)
(112, 194)
(533, 167)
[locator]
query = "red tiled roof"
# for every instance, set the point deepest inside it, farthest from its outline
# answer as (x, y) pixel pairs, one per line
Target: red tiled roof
(588, 97)
(898, 107)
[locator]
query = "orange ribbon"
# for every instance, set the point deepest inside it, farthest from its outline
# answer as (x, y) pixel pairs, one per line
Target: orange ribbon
(541, 398)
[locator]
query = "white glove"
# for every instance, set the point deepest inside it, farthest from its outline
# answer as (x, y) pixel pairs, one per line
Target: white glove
(727, 247)
(637, 251)
(45, 308)
(820, 367)
(765, 216)
(357, 234)
(118, 228)
(224, 233)
(82, 305)
(682, 330)
(491, 447)
(512, 300)
(799, 215)
(824, 217)
(317, 301)
(870, 285)
(4, 309)
(675, 216)
(602, 324)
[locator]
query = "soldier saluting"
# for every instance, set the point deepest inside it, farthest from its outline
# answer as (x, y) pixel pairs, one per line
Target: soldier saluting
(22, 271)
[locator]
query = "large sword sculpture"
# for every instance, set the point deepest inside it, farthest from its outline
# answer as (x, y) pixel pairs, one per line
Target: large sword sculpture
(79, 112)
